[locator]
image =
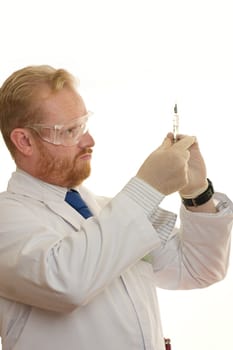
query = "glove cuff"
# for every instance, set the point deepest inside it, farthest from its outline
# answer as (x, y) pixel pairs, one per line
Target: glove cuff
(201, 198)
(197, 192)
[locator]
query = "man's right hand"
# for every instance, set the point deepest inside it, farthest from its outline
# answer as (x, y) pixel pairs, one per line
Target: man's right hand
(166, 169)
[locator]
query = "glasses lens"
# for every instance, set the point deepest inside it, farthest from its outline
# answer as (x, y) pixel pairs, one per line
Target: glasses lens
(70, 133)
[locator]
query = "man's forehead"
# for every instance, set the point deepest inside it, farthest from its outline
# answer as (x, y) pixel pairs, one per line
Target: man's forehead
(62, 106)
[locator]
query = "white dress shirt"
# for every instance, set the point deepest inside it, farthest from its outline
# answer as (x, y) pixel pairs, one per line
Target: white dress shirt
(67, 282)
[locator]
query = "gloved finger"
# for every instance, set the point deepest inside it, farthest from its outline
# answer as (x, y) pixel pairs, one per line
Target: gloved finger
(167, 142)
(181, 136)
(171, 136)
(194, 146)
(186, 155)
(185, 142)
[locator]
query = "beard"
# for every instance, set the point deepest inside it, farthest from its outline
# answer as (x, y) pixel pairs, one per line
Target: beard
(63, 172)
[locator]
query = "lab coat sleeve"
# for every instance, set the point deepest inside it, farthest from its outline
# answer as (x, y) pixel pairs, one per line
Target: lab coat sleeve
(43, 267)
(196, 255)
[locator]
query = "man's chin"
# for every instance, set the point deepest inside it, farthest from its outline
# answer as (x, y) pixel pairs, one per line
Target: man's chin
(75, 181)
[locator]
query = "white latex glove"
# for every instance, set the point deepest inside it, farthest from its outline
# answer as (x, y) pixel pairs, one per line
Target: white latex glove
(166, 169)
(197, 182)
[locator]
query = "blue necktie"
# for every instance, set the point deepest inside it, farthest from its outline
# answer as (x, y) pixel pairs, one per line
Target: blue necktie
(75, 200)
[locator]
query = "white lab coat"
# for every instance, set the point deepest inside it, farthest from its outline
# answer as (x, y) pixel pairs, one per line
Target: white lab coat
(70, 283)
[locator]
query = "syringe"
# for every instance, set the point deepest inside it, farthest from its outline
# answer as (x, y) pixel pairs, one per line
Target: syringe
(175, 123)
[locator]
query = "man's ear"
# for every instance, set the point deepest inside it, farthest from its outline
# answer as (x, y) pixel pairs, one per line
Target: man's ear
(22, 140)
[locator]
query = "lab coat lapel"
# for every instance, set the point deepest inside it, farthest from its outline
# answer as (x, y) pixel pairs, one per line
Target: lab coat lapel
(94, 203)
(65, 211)
(69, 214)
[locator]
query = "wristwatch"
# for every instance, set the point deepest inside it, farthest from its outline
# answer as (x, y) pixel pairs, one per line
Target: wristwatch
(201, 199)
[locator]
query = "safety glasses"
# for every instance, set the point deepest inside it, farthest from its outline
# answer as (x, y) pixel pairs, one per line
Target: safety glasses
(67, 134)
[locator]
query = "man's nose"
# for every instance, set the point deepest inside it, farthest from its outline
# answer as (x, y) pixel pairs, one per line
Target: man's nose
(86, 140)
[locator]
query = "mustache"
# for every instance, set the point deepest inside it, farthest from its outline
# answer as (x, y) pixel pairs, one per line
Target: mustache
(85, 151)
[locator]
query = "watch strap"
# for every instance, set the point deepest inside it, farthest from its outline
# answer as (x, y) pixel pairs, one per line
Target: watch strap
(202, 198)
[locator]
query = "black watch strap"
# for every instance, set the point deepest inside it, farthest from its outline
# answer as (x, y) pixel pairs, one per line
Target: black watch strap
(201, 199)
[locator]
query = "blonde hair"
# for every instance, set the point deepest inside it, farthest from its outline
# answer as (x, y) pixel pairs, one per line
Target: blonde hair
(21, 94)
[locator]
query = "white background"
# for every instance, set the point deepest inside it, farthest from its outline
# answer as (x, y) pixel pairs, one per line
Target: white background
(135, 59)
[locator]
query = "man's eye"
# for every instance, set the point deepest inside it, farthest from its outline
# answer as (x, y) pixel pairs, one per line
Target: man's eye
(72, 131)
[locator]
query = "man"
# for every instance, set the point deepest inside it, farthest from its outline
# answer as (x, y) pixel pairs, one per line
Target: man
(90, 283)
